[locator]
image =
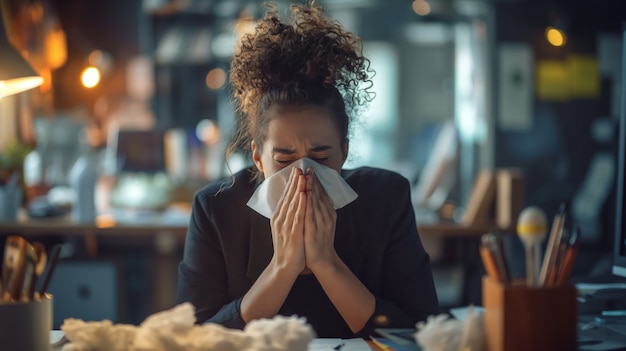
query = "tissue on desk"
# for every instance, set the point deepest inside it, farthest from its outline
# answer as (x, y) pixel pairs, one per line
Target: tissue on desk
(442, 333)
(93, 336)
(175, 329)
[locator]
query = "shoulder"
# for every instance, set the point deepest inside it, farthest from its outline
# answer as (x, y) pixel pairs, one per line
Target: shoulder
(237, 187)
(375, 178)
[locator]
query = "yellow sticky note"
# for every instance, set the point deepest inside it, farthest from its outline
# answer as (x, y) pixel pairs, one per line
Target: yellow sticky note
(584, 76)
(552, 83)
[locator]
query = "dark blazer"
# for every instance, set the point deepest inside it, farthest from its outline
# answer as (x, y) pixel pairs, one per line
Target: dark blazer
(228, 245)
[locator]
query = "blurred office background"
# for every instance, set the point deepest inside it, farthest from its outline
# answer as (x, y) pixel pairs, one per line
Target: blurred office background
(140, 88)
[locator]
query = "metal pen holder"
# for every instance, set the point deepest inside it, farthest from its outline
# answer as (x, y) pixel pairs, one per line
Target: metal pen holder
(26, 325)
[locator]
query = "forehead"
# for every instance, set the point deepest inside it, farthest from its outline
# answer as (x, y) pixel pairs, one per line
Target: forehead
(287, 123)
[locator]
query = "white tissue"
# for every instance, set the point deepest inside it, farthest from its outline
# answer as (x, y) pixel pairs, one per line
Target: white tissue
(441, 333)
(266, 196)
(280, 333)
(174, 330)
(95, 336)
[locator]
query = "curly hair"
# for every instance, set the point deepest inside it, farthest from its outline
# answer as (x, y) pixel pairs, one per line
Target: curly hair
(311, 60)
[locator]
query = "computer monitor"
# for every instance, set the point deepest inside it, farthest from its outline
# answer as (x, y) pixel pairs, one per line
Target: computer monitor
(135, 151)
(619, 256)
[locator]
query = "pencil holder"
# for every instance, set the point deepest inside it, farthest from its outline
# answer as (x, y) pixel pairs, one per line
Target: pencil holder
(26, 325)
(518, 317)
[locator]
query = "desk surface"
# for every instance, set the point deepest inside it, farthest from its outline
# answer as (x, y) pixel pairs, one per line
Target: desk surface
(57, 340)
(150, 226)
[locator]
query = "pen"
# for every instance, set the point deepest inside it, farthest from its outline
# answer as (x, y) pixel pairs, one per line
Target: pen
(549, 259)
(54, 256)
(338, 347)
(568, 261)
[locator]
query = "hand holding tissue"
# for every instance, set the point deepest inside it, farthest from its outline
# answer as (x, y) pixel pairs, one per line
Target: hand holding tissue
(266, 196)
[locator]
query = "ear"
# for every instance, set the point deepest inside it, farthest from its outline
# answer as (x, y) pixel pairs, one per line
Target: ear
(256, 156)
(345, 148)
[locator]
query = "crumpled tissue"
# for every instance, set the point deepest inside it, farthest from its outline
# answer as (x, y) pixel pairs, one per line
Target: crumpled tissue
(442, 333)
(175, 329)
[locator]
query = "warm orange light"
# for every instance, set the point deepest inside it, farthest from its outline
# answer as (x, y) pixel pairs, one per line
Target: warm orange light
(105, 221)
(216, 78)
(421, 7)
(207, 131)
(90, 77)
(245, 25)
(46, 74)
(55, 47)
(555, 37)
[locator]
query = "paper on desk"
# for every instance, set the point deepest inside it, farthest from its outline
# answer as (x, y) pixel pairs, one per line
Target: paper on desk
(600, 345)
(329, 344)
(594, 287)
(461, 313)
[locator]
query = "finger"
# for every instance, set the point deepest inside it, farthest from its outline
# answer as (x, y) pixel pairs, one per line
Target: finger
(323, 208)
(312, 208)
(300, 215)
(285, 199)
(309, 174)
(302, 187)
(319, 189)
(293, 198)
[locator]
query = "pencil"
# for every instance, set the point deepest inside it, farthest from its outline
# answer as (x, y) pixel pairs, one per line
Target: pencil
(382, 345)
(489, 262)
(553, 271)
(568, 260)
(552, 249)
(494, 245)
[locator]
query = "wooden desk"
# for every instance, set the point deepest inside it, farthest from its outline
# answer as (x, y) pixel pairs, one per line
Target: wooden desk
(456, 230)
(168, 240)
(25, 226)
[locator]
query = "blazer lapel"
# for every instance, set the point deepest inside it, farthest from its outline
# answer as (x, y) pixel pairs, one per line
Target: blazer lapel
(261, 247)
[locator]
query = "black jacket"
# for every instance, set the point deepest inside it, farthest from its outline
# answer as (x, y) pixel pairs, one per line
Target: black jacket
(228, 245)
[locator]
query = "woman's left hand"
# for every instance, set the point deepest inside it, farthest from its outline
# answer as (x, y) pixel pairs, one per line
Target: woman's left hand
(319, 225)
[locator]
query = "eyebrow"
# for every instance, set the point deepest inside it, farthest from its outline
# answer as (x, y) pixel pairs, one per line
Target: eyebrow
(321, 148)
(292, 151)
(283, 151)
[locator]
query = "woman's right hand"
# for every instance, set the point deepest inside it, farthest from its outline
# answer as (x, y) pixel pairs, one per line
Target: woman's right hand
(288, 224)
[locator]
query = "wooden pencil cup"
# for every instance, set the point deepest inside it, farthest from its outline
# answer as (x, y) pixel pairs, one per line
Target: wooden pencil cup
(519, 318)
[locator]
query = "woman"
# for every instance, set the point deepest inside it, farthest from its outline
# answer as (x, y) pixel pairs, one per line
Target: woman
(347, 271)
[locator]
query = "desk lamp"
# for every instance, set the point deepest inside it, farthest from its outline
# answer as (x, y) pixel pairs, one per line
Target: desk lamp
(16, 75)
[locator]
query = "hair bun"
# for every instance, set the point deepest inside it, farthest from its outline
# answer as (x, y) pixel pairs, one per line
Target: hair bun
(310, 49)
